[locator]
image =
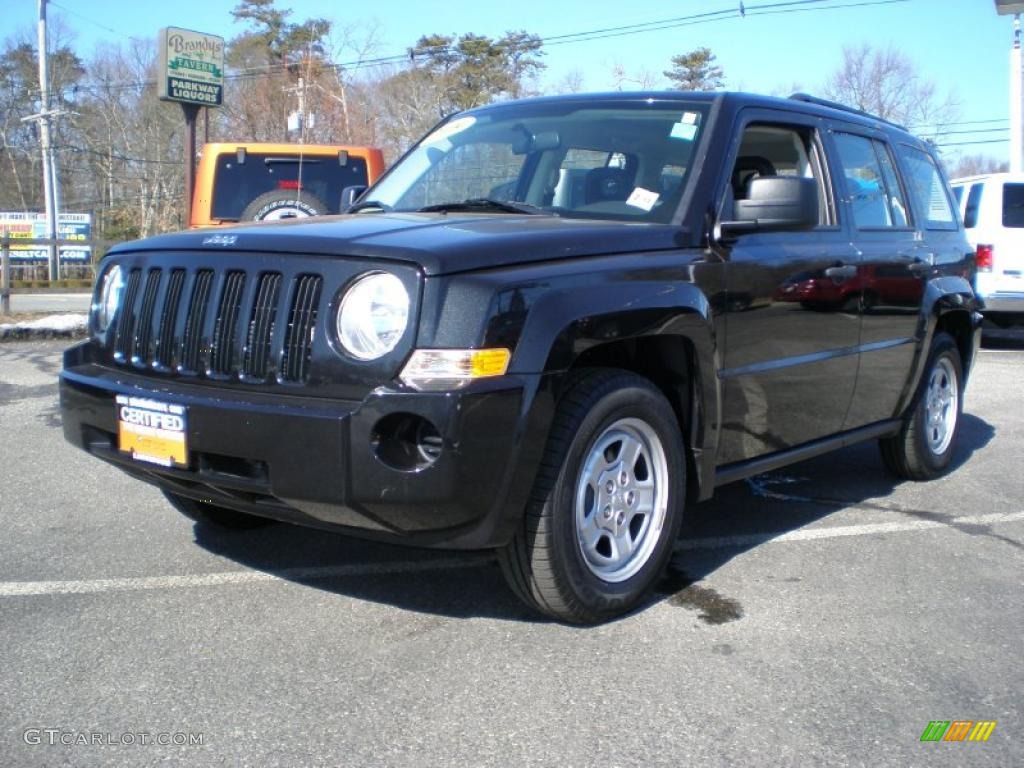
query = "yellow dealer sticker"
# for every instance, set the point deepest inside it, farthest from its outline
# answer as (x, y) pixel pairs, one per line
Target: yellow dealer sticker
(152, 431)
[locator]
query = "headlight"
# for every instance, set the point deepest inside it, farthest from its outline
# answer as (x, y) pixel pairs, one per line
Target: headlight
(373, 315)
(109, 297)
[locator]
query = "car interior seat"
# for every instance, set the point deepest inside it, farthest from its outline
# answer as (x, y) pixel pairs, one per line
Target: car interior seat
(603, 184)
(749, 167)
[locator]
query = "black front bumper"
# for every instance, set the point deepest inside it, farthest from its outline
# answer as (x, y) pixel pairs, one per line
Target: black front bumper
(311, 460)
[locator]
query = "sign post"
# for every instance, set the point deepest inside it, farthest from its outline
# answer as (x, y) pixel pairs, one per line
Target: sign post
(191, 73)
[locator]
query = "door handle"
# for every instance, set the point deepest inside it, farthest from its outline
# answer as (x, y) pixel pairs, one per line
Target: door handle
(841, 272)
(920, 266)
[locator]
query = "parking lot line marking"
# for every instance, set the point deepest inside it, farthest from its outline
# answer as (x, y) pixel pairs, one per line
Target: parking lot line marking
(88, 586)
(92, 586)
(837, 531)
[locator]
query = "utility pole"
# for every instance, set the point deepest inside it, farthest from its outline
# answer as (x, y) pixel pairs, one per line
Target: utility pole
(1016, 139)
(300, 91)
(50, 177)
(1014, 8)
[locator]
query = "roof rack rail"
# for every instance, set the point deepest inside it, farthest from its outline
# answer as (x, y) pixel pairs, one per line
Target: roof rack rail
(806, 97)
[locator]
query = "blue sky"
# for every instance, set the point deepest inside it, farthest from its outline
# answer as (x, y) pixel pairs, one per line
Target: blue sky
(961, 45)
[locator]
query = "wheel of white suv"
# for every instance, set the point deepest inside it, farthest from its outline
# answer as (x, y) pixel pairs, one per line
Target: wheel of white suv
(924, 446)
(221, 517)
(607, 503)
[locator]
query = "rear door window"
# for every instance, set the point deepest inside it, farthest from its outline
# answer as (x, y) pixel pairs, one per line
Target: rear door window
(872, 186)
(1013, 205)
(238, 184)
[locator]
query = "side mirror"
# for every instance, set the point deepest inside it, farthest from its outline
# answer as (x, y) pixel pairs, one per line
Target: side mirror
(349, 195)
(776, 203)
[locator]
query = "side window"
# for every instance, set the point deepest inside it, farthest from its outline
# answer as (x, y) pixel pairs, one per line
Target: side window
(927, 189)
(872, 185)
(973, 203)
(777, 150)
(1013, 205)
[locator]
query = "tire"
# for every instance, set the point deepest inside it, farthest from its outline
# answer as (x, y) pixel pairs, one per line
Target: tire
(284, 204)
(211, 514)
(924, 446)
(602, 413)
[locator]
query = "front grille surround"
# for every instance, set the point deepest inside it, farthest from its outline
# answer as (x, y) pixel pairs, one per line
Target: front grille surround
(243, 321)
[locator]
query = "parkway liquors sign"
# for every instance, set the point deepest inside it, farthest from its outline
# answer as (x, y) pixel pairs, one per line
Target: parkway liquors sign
(191, 67)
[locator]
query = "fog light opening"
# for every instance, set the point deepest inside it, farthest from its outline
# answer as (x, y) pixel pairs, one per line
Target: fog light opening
(406, 442)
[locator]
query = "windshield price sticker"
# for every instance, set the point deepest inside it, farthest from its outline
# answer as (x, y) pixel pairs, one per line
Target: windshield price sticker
(642, 198)
(152, 431)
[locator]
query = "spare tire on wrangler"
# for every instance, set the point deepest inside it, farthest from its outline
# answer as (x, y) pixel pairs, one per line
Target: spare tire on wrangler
(284, 204)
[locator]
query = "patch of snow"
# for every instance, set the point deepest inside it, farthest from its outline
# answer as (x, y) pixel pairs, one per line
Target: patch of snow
(63, 323)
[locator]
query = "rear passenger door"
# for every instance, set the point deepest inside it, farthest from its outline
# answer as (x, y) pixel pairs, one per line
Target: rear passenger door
(789, 360)
(888, 288)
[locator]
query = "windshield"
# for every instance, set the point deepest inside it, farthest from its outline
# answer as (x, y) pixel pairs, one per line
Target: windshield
(624, 160)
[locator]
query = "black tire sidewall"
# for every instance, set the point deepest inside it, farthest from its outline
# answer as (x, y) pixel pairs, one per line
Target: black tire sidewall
(944, 346)
(648, 405)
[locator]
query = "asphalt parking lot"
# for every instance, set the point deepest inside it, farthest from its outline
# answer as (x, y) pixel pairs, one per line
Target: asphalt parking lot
(820, 615)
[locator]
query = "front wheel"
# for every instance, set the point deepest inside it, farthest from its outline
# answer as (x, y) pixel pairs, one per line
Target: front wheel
(923, 448)
(607, 503)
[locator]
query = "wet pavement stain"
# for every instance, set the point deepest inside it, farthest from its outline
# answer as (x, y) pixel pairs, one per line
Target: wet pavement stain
(683, 591)
(51, 416)
(10, 393)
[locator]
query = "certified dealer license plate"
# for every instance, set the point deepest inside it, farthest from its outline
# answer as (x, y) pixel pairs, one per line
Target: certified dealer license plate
(152, 431)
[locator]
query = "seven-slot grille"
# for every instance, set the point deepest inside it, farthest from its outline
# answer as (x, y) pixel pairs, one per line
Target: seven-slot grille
(218, 324)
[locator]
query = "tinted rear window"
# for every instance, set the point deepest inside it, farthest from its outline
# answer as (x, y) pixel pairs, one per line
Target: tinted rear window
(238, 184)
(1013, 205)
(973, 201)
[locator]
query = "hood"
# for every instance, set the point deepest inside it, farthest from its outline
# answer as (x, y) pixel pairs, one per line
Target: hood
(437, 243)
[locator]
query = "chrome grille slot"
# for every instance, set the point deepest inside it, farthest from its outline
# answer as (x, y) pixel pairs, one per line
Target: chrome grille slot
(226, 325)
(256, 363)
(126, 321)
(168, 318)
(301, 324)
(192, 339)
(144, 327)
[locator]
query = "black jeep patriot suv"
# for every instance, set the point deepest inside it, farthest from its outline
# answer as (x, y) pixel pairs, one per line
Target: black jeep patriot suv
(549, 328)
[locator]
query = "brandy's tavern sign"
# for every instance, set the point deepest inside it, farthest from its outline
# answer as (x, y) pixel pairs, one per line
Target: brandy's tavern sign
(191, 67)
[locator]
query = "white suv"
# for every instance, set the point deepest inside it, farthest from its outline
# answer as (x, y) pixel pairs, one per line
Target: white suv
(992, 207)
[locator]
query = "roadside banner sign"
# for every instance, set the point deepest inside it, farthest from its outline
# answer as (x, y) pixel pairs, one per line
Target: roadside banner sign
(18, 225)
(191, 67)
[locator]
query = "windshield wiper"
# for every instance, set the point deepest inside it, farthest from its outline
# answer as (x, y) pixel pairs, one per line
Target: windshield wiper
(367, 204)
(486, 204)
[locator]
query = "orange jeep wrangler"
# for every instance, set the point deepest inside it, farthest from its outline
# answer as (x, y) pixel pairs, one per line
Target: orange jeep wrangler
(247, 181)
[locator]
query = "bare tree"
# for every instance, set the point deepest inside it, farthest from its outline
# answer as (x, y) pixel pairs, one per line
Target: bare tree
(571, 82)
(887, 83)
(974, 165)
(643, 79)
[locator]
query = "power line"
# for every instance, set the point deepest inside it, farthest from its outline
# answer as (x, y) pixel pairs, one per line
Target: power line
(967, 143)
(730, 12)
(971, 132)
(85, 18)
